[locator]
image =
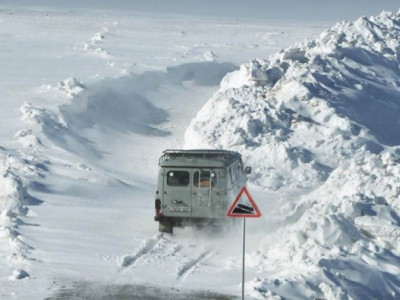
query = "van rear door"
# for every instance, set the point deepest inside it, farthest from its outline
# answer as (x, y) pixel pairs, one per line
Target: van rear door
(205, 194)
(177, 192)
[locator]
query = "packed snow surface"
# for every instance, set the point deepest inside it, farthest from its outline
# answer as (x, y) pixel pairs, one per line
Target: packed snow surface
(90, 100)
(319, 122)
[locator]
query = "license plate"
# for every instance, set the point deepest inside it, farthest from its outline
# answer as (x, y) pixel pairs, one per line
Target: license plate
(179, 209)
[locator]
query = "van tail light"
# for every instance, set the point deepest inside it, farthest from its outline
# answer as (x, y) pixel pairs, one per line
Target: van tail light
(158, 208)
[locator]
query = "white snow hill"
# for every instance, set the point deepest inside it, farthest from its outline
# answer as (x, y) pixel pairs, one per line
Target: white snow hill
(319, 122)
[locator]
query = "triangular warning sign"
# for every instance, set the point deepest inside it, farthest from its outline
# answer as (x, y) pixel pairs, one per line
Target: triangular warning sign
(244, 209)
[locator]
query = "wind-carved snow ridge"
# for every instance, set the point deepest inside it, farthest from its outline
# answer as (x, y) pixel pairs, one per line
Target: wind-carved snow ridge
(321, 120)
(71, 87)
(95, 44)
(17, 171)
(58, 131)
(122, 104)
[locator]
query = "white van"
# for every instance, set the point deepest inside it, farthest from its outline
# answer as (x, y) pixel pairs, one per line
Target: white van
(197, 186)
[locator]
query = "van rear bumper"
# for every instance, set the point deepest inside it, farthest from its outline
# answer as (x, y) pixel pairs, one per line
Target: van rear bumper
(184, 221)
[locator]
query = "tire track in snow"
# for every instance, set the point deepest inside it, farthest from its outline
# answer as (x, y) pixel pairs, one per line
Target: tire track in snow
(162, 249)
(146, 247)
(186, 269)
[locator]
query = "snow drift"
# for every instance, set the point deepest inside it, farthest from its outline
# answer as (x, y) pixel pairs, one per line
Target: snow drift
(122, 104)
(17, 171)
(319, 122)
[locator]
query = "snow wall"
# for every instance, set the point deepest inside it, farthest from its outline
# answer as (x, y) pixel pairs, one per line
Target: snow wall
(319, 123)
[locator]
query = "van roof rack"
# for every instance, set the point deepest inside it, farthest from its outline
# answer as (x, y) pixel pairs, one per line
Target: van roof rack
(206, 153)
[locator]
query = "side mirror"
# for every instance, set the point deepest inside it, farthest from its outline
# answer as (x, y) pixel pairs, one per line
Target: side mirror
(247, 170)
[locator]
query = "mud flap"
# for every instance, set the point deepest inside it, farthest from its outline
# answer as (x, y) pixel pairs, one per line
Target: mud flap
(165, 226)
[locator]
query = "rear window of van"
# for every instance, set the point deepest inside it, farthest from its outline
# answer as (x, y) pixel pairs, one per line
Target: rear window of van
(204, 179)
(178, 178)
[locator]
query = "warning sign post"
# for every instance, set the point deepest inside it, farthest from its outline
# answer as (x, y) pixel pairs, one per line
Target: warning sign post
(244, 207)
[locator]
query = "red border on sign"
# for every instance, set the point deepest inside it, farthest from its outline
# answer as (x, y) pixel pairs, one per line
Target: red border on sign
(230, 211)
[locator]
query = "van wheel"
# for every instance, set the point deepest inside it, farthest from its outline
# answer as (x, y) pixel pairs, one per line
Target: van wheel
(165, 226)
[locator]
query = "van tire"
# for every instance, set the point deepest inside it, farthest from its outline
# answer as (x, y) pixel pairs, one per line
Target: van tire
(165, 226)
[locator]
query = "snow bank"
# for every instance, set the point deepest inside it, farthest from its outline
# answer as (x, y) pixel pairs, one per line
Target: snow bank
(343, 230)
(309, 106)
(321, 119)
(14, 198)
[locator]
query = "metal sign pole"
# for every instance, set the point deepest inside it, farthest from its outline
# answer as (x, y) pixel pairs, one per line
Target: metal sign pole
(243, 210)
(243, 255)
